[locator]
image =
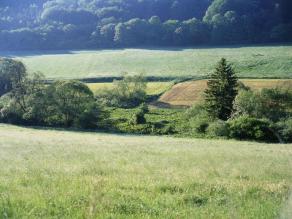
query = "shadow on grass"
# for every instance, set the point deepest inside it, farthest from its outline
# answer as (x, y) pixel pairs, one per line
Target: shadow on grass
(28, 53)
(163, 105)
(112, 131)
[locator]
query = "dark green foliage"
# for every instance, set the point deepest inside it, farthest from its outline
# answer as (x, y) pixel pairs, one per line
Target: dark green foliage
(90, 117)
(221, 91)
(144, 108)
(68, 100)
(167, 130)
(127, 93)
(284, 129)
(63, 103)
(25, 102)
(200, 123)
(9, 113)
(248, 128)
(254, 117)
(11, 74)
(83, 24)
(138, 118)
(218, 129)
(198, 119)
(158, 122)
(272, 104)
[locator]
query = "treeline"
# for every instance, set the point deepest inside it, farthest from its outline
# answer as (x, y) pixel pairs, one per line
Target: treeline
(81, 24)
(230, 109)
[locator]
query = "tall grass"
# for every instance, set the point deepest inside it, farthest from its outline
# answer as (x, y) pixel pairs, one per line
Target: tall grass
(59, 174)
(261, 61)
(153, 88)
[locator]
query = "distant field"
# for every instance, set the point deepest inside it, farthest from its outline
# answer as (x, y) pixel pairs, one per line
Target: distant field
(58, 174)
(153, 88)
(265, 61)
(191, 92)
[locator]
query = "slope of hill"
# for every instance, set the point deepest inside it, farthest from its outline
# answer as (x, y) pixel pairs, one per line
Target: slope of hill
(58, 174)
(87, 24)
(191, 92)
(253, 61)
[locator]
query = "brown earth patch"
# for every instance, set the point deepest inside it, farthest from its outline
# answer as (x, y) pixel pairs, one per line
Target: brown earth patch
(188, 93)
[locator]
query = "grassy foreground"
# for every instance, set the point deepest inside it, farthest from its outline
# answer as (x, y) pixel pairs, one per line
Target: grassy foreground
(261, 61)
(58, 174)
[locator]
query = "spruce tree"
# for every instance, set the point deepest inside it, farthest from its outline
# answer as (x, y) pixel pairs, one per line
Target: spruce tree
(221, 91)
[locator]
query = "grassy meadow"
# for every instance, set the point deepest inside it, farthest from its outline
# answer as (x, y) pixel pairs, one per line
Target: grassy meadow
(63, 174)
(252, 61)
(153, 88)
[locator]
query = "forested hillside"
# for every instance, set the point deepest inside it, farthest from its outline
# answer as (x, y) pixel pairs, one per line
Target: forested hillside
(81, 24)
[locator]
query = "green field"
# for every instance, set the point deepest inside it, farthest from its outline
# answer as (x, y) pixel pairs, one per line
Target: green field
(265, 61)
(153, 88)
(59, 174)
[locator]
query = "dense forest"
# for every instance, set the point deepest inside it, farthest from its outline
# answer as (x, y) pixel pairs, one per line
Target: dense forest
(83, 24)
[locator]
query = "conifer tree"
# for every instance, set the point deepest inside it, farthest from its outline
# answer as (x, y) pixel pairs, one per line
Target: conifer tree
(221, 91)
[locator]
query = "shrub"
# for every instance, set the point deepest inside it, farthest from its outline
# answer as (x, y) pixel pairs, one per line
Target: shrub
(144, 108)
(200, 123)
(218, 128)
(90, 117)
(138, 117)
(199, 118)
(248, 128)
(127, 93)
(284, 129)
(195, 110)
(11, 74)
(247, 103)
(63, 103)
(272, 104)
(159, 129)
(70, 101)
(9, 112)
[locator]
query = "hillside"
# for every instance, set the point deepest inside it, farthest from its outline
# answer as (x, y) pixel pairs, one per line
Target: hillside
(49, 173)
(253, 61)
(191, 92)
(88, 24)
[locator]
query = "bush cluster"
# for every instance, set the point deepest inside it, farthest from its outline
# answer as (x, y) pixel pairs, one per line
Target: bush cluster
(257, 115)
(63, 103)
(264, 115)
(126, 93)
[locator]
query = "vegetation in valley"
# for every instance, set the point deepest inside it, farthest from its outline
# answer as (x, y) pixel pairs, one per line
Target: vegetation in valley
(153, 88)
(191, 118)
(230, 109)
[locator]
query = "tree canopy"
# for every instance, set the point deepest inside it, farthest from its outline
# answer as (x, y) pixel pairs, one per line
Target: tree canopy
(221, 91)
(76, 24)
